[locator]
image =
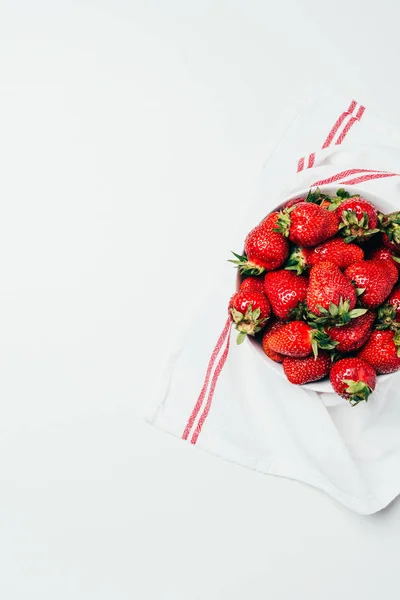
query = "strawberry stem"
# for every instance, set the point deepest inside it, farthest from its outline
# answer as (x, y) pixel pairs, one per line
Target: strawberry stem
(245, 266)
(358, 391)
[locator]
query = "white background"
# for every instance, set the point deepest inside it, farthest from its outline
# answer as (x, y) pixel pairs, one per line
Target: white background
(130, 134)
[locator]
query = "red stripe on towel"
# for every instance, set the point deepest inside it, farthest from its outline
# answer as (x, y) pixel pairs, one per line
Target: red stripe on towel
(214, 381)
(211, 362)
(338, 123)
(350, 124)
(368, 178)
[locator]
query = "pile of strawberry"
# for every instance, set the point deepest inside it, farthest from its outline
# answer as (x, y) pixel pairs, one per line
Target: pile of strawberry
(320, 291)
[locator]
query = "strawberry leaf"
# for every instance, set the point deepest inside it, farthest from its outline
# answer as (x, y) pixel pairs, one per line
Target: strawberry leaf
(236, 315)
(241, 337)
(358, 391)
(357, 312)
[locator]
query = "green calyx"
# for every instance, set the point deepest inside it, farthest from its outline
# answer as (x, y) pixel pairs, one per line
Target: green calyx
(337, 315)
(390, 224)
(298, 313)
(320, 339)
(296, 261)
(396, 340)
(385, 318)
(358, 391)
(248, 323)
(352, 228)
(317, 197)
(245, 266)
(283, 221)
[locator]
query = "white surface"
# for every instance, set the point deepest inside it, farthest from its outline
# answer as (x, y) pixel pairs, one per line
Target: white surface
(130, 134)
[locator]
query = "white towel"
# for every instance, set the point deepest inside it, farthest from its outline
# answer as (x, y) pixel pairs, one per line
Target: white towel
(224, 399)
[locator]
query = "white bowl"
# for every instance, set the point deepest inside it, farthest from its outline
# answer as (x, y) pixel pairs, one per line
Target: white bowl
(381, 204)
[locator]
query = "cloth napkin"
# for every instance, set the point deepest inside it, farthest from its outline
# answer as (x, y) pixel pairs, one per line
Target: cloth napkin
(225, 399)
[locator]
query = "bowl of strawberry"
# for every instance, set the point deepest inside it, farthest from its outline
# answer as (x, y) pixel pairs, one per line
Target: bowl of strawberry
(318, 292)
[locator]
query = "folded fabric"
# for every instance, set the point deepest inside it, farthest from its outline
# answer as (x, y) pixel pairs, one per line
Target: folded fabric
(224, 399)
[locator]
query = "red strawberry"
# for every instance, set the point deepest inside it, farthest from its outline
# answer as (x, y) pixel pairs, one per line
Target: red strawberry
(275, 356)
(359, 219)
(390, 226)
(375, 277)
(382, 351)
(264, 247)
(336, 251)
(307, 224)
(298, 339)
(352, 336)
(331, 295)
(385, 254)
(394, 301)
(252, 284)
(389, 313)
(250, 311)
(353, 379)
(303, 370)
(285, 290)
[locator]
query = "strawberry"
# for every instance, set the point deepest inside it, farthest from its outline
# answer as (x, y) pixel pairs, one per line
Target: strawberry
(303, 370)
(275, 356)
(352, 336)
(375, 277)
(359, 219)
(336, 251)
(264, 247)
(307, 224)
(353, 379)
(394, 301)
(389, 313)
(331, 297)
(298, 339)
(382, 351)
(383, 253)
(285, 290)
(390, 226)
(249, 311)
(252, 284)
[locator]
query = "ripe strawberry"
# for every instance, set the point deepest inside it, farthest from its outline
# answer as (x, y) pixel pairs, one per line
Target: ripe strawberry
(331, 296)
(307, 224)
(382, 351)
(353, 379)
(385, 254)
(336, 251)
(298, 339)
(275, 356)
(390, 226)
(389, 313)
(375, 277)
(359, 219)
(249, 311)
(352, 336)
(252, 284)
(264, 247)
(285, 290)
(394, 301)
(303, 370)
